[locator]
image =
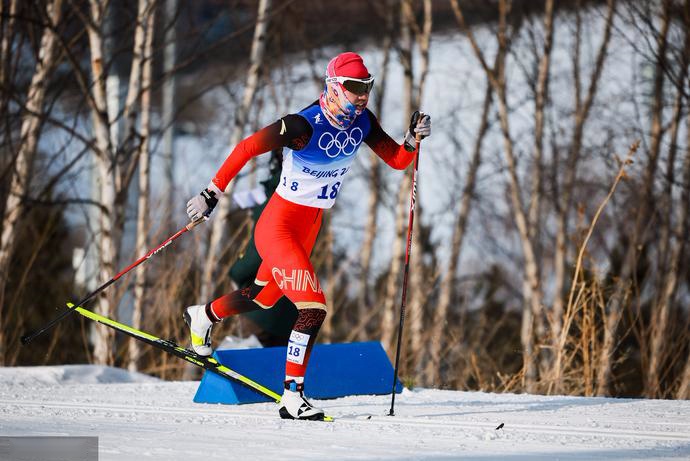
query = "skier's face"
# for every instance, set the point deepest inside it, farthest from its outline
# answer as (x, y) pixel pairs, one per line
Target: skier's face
(359, 100)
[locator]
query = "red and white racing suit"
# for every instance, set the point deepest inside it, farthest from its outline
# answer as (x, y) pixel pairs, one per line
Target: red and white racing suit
(317, 160)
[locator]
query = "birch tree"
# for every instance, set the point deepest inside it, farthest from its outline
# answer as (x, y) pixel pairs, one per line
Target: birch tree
(256, 60)
(531, 288)
(143, 222)
(20, 182)
(375, 185)
(447, 289)
(541, 96)
(107, 169)
(168, 109)
(419, 277)
(564, 202)
(672, 238)
(637, 237)
(682, 228)
(388, 324)
(115, 159)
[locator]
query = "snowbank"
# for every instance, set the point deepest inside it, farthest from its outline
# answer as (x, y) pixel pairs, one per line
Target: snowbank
(70, 374)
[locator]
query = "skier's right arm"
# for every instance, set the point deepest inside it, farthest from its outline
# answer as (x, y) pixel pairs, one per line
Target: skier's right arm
(291, 131)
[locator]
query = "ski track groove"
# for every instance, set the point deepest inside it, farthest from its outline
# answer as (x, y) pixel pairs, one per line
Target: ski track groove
(365, 419)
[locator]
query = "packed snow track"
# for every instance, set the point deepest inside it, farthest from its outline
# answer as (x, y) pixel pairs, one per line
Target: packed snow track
(137, 417)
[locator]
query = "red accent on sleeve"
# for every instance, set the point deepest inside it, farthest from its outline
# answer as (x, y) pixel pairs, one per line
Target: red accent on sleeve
(292, 131)
(385, 147)
(260, 142)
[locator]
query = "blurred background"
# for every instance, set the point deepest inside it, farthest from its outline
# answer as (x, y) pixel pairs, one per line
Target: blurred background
(550, 246)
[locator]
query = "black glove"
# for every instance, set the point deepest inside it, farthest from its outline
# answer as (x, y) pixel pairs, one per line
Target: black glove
(420, 124)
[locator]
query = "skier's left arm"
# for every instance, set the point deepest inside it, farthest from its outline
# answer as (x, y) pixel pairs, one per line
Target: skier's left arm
(398, 156)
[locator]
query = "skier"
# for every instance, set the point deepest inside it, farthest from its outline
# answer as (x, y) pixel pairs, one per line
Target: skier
(321, 142)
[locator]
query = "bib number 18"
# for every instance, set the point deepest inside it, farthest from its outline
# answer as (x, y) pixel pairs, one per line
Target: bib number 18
(326, 194)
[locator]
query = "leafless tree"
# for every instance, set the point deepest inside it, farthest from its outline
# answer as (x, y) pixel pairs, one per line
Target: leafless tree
(143, 221)
(532, 290)
(168, 108)
(632, 252)
(388, 324)
(420, 276)
(438, 332)
(681, 231)
(564, 201)
(108, 171)
(541, 95)
(670, 251)
(411, 99)
(365, 308)
(20, 183)
(256, 61)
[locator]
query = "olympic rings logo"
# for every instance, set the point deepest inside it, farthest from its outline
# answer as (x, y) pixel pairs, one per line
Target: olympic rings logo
(342, 142)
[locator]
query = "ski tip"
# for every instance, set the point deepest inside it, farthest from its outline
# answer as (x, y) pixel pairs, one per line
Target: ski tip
(328, 419)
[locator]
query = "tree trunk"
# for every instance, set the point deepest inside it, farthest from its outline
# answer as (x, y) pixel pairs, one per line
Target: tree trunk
(448, 284)
(683, 391)
(541, 97)
(107, 168)
(388, 321)
(134, 88)
(143, 224)
(646, 199)
(418, 275)
(30, 130)
(364, 306)
(168, 112)
(564, 203)
(375, 184)
(241, 117)
(531, 285)
(670, 251)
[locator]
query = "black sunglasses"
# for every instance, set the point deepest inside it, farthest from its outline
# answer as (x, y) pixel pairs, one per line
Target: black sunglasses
(357, 86)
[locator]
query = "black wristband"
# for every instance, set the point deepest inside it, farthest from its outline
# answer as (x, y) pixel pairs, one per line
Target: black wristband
(414, 119)
(210, 198)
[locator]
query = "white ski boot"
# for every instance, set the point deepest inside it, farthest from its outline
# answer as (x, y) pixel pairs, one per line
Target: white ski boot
(200, 327)
(293, 405)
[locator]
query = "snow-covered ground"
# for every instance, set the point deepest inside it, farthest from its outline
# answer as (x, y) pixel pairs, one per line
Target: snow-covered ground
(138, 417)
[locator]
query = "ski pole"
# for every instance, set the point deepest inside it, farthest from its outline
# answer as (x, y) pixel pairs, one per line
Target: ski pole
(27, 338)
(413, 199)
